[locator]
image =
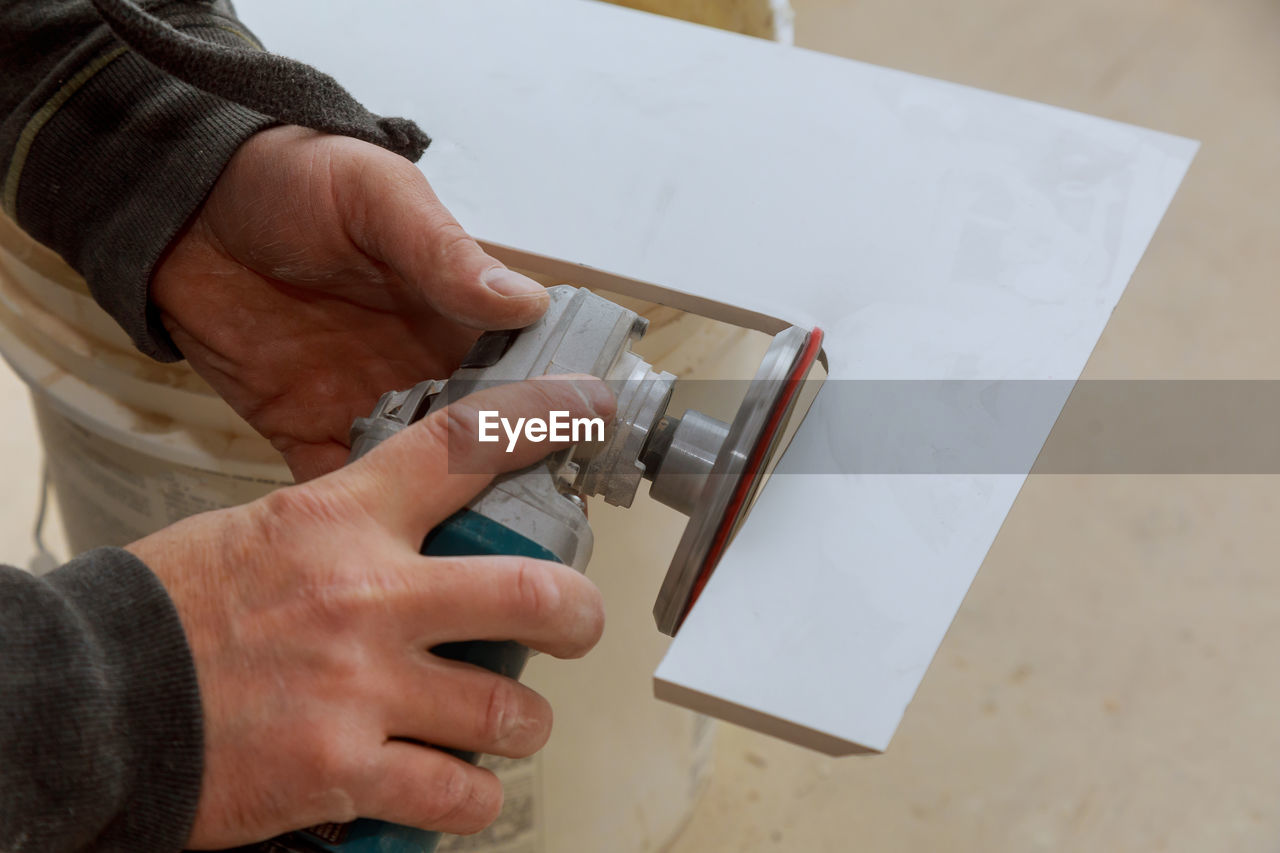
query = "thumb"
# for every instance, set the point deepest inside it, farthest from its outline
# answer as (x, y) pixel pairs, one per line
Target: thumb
(395, 217)
(445, 450)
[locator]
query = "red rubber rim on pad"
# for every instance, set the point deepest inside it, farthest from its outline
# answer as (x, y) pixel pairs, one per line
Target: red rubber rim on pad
(755, 464)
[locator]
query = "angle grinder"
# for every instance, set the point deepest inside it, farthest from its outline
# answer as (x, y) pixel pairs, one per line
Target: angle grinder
(704, 468)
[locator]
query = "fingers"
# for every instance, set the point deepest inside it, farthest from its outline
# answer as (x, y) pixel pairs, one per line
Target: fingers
(460, 706)
(418, 786)
(394, 216)
(421, 476)
(539, 603)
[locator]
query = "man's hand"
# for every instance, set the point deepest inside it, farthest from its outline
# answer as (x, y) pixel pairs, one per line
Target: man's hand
(320, 272)
(310, 614)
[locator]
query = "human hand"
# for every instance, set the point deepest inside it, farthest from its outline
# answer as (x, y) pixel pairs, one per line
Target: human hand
(320, 272)
(310, 613)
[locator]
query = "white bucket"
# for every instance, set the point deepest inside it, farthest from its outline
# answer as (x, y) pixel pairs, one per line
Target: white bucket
(133, 446)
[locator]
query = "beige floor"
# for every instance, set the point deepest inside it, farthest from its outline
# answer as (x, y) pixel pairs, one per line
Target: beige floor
(1112, 682)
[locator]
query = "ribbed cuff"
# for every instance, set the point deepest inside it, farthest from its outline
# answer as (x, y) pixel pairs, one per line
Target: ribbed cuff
(120, 166)
(148, 680)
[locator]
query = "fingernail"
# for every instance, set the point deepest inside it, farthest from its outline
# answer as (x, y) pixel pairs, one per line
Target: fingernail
(504, 282)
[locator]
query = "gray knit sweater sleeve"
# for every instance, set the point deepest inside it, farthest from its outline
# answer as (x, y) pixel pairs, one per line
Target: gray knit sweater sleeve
(105, 156)
(117, 117)
(100, 726)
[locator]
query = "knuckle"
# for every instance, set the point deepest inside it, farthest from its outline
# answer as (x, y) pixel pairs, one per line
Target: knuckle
(454, 243)
(296, 505)
(450, 795)
(464, 799)
(280, 526)
(502, 714)
(536, 592)
(557, 394)
(328, 759)
(538, 397)
(454, 430)
(485, 803)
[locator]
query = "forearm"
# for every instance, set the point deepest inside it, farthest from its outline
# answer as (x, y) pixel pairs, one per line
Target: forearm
(100, 723)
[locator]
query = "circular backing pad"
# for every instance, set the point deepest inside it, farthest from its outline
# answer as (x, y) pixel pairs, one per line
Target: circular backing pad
(736, 476)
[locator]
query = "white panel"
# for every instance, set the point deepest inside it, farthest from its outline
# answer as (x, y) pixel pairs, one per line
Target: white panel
(935, 231)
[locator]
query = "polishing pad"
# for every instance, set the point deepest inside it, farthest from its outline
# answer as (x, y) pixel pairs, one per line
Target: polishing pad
(753, 441)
